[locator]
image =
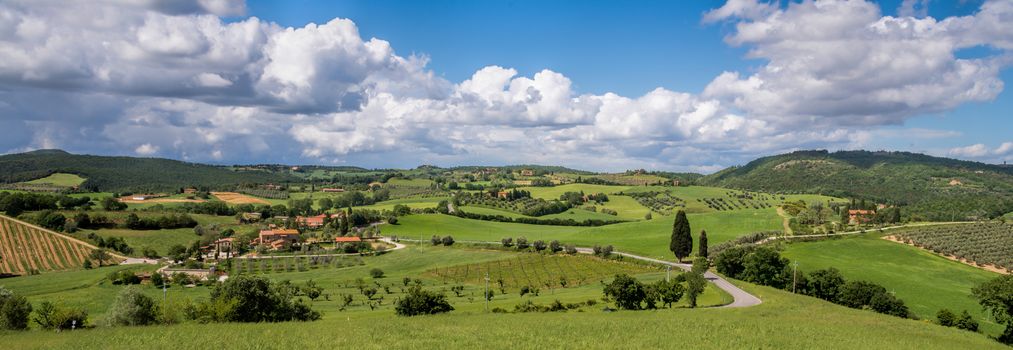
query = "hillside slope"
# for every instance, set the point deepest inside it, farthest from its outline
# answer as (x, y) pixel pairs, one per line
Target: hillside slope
(25, 248)
(934, 188)
(111, 174)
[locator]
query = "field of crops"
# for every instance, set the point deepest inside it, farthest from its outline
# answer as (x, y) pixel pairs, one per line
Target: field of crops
(982, 243)
(26, 249)
(538, 270)
(293, 264)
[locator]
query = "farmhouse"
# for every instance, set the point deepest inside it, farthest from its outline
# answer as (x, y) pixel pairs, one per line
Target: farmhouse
(350, 239)
(224, 244)
(275, 235)
(527, 172)
(856, 216)
(311, 221)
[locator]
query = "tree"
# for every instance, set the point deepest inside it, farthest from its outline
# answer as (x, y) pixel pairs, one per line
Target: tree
(447, 241)
(421, 302)
(246, 298)
(858, 294)
(435, 240)
(826, 284)
(729, 262)
(765, 266)
(54, 316)
(682, 241)
(376, 273)
(522, 243)
(132, 308)
(695, 284)
(702, 251)
(178, 253)
(14, 310)
(886, 303)
(99, 254)
(507, 242)
(626, 291)
(996, 296)
(669, 291)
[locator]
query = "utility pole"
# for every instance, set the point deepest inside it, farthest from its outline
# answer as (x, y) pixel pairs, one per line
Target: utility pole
(486, 292)
(668, 276)
(794, 276)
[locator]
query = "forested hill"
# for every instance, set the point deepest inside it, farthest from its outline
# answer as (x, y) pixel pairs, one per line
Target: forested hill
(936, 188)
(127, 173)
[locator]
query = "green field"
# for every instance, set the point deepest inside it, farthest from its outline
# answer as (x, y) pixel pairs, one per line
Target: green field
(925, 281)
(649, 238)
(60, 179)
(575, 214)
(783, 321)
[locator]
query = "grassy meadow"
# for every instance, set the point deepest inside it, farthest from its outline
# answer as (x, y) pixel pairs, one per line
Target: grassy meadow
(59, 179)
(926, 282)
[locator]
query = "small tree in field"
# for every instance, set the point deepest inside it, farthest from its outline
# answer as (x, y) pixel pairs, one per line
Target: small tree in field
(14, 310)
(996, 296)
(132, 308)
(555, 246)
(539, 245)
(681, 243)
(447, 241)
(695, 284)
(626, 291)
(507, 242)
(421, 302)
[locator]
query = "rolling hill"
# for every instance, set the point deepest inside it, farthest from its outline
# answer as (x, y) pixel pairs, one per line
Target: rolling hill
(933, 188)
(113, 174)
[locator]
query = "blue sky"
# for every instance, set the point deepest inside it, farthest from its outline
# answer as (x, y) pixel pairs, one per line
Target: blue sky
(602, 85)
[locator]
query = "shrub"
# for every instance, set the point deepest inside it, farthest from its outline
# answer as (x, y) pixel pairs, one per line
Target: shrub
(422, 302)
(730, 262)
(946, 318)
(858, 294)
(436, 240)
(376, 273)
(14, 310)
(966, 322)
(53, 316)
(157, 280)
(507, 242)
(555, 246)
(447, 241)
(522, 243)
(669, 291)
(886, 303)
(123, 277)
(132, 308)
(571, 249)
(539, 245)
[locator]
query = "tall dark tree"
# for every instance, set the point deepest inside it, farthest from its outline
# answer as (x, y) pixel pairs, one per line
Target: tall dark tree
(702, 249)
(682, 240)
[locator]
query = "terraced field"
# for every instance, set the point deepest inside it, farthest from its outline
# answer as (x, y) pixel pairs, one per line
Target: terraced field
(27, 249)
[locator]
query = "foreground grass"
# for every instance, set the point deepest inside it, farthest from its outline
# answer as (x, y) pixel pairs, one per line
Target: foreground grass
(925, 281)
(783, 321)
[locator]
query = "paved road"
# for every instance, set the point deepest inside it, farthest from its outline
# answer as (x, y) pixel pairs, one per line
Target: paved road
(742, 298)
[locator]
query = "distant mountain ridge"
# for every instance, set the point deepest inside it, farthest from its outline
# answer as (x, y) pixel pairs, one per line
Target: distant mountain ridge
(106, 173)
(929, 185)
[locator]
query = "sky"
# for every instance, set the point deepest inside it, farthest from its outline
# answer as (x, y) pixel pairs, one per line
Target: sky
(595, 85)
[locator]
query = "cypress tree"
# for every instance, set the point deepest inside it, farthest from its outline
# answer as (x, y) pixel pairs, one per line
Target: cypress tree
(702, 250)
(682, 240)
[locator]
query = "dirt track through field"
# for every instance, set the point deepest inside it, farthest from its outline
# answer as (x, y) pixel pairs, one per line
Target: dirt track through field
(784, 220)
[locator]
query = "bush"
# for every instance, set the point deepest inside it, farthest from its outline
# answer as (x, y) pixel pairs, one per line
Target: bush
(447, 241)
(132, 308)
(522, 243)
(886, 303)
(157, 280)
(966, 322)
(14, 310)
(555, 246)
(571, 249)
(123, 277)
(53, 316)
(507, 242)
(422, 302)
(539, 245)
(376, 273)
(946, 318)
(765, 266)
(858, 294)
(730, 262)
